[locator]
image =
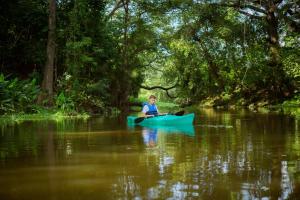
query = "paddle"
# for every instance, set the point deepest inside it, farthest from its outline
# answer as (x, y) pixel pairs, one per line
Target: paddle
(140, 119)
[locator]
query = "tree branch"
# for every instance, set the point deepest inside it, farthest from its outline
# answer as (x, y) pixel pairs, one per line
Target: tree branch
(278, 1)
(257, 9)
(250, 15)
(162, 88)
(290, 16)
(158, 87)
(293, 25)
(239, 5)
(118, 4)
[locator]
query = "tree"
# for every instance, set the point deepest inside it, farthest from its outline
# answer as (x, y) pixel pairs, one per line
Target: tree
(23, 35)
(272, 12)
(47, 84)
(231, 37)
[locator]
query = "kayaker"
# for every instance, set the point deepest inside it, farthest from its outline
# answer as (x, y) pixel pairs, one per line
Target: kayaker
(149, 108)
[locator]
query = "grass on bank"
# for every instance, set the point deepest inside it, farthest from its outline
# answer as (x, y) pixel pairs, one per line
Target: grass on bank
(54, 115)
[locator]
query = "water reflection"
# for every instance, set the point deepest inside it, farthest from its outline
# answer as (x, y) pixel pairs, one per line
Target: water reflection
(225, 156)
(150, 136)
(151, 133)
(180, 129)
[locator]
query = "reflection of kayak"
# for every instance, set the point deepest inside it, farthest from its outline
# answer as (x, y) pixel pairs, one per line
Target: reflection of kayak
(164, 120)
(187, 129)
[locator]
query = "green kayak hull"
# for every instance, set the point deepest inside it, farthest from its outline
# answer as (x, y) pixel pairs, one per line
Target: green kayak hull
(164, 120)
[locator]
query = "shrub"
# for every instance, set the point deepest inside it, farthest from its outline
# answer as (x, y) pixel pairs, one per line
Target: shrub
(17, 95)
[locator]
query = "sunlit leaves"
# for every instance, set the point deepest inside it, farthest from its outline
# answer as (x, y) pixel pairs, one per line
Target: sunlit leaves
(292, 65)
(182, 46)
(224, 32)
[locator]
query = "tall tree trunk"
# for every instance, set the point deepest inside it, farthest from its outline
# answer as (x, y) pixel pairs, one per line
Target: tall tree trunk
(280, 85)
(47, 84)
(272, 30)
(125, 82)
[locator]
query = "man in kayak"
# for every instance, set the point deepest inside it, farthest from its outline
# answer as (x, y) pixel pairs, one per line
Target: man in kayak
(149, 108)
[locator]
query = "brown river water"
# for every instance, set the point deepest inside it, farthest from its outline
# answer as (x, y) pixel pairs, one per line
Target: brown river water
(224, 155)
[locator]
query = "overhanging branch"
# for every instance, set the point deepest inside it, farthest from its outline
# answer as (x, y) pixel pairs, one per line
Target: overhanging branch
(158, 87)
(250, 15)
(239, 5)
(118, 4)
(161, 88)
(252, 7)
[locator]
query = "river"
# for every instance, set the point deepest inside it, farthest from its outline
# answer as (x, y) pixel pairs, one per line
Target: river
(226, 154)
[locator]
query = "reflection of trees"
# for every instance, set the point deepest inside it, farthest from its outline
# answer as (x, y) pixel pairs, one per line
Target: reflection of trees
(256, 158)
(32, 139)
(252, 160)
(19, 141)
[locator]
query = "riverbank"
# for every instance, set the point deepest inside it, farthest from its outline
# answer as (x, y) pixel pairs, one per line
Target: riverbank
(288, 107)
(56, 116)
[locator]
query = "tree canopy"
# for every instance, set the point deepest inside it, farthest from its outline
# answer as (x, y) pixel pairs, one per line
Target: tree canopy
(107, 51)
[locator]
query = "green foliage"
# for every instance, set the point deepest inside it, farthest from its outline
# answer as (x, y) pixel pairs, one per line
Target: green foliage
(75, 97)
(65, 103)
(86, 47)
(294, 102)
(292, 64)
(292, 106)
(216, 51)
(207, 50)
(17, 95)
(23, 35)
(79, 57)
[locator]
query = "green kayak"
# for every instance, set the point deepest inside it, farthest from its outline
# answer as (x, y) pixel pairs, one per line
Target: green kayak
(164, 120)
